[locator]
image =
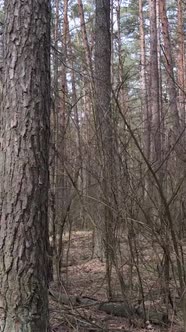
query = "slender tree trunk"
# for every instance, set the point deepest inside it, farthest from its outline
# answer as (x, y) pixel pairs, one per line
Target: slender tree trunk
(24, 153)
(112, 41)
(54, 139)
(123, 97)
(167, 50)
(85, 39)
(160, 74)
(181, 106)
(74, 101)
(181, 64)
(122, 80)
(61, 190)
(89, 67)
(104, 122)
(144, 95)
(154, 86)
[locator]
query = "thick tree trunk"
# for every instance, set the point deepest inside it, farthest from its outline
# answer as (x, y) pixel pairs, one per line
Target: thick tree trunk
(24, 153)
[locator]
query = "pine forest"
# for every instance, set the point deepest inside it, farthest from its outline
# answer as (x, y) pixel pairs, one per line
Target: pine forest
(93, 165)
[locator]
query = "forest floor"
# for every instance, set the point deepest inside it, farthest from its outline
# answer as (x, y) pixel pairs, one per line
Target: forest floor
(83, 277)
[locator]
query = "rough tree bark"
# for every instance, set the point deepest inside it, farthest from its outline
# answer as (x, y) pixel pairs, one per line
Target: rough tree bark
(104, 130)
(54, 120)
(24, 167)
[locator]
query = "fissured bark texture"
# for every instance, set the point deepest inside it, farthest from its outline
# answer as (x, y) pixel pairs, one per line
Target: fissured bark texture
(24, 167)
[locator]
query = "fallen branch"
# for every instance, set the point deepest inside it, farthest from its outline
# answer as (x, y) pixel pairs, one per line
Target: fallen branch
(119, 309)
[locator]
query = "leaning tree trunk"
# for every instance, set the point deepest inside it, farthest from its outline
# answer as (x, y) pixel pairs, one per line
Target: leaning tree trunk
(24, 167)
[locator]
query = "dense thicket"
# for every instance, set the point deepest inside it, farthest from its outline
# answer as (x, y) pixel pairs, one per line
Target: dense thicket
(117, 140)
(122, 162)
